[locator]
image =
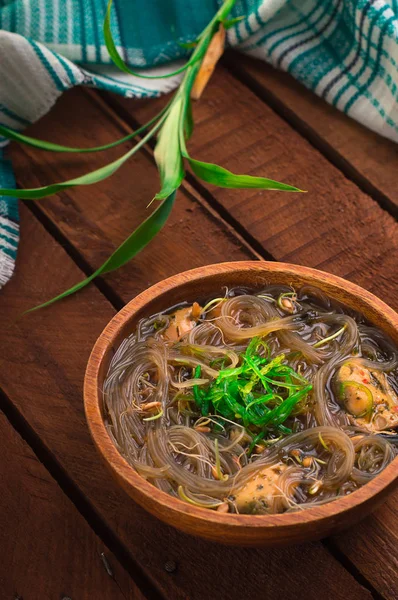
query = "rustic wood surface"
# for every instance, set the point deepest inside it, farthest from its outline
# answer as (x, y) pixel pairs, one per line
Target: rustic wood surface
(367, 158)
(47, 548)
(341, 225)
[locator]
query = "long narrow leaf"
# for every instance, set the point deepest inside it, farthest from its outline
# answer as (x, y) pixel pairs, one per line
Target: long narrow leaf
(224, 178)
(88, 179)
(127, 250)
(188, 120)
(231, 22)
(43, 145)
(168, 152)
(119, 62)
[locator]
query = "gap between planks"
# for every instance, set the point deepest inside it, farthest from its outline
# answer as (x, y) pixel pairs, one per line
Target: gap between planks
(198, 191)
(236, 66)
(54, 375)
(351, 568)
(190, 184)
(83, 505)
(79, 500)
(201, 197)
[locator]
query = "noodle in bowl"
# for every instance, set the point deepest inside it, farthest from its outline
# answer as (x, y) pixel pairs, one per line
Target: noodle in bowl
(247, 395)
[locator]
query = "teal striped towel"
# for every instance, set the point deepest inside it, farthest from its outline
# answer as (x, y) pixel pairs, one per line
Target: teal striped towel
(346, 51)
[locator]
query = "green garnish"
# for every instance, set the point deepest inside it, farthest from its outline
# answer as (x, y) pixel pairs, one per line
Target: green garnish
(284, 430)
(198, 393)
(260, 392)
(255, 441)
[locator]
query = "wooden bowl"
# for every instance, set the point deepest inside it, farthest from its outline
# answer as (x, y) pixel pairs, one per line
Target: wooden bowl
(245, 530)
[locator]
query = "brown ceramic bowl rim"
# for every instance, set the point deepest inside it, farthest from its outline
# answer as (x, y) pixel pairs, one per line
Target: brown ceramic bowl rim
(131, 479)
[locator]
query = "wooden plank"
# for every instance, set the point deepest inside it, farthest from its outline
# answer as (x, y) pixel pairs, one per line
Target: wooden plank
(375, 543)
(96, 219)
(49, 349)
(368, 158)
(47, 549)
(335, 226)
(204, 115)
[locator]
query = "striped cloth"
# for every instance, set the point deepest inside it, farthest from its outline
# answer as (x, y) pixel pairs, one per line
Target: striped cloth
(346, 51)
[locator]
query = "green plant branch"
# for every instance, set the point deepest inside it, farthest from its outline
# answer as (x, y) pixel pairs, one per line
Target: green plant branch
(172, 126)
(51, 147)
(88, 179)
(126, 251)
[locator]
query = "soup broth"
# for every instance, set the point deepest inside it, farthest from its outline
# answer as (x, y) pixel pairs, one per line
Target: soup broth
(255, 402)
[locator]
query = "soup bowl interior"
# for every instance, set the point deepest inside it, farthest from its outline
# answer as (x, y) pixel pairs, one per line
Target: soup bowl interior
(249, 530)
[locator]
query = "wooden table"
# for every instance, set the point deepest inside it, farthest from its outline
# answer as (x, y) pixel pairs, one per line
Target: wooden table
(67, 531)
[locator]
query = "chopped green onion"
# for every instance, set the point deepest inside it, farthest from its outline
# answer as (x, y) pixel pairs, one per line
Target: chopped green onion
(197, 393)
(254, 442)
(243, 393)
(262, 400)
(284, 430)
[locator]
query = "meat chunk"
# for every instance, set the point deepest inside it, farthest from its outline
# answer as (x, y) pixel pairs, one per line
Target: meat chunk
(183, 320)
(367, 397)
(257, 495)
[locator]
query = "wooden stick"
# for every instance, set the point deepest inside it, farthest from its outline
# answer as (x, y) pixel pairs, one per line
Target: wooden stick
(211, 58)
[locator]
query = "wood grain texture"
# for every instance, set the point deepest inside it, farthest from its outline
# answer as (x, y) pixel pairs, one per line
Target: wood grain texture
(372, 161)
(96, 219)
(47, 550)
(367, 157)
(333, 227)
(245, 530)
(87, 229)
(49, 350)
(375, 541)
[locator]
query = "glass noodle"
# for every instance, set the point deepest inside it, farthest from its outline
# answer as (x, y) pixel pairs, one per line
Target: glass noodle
(253, 401)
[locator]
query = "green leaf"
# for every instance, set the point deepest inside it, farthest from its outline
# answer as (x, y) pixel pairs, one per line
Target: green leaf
(127, 250)
(224, 178)
(119, 62)
(168, 152)
(224, 10)
(43, 145)
(88, 179)
(188, 120)
(231, 22)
